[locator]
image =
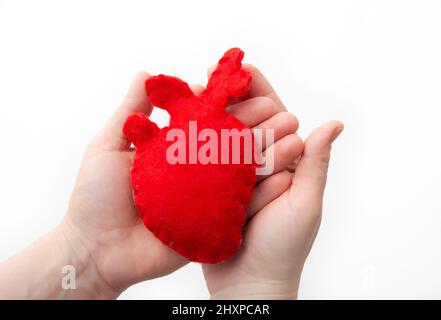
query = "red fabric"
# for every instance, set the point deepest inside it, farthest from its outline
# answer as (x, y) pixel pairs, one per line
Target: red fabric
(198, 210)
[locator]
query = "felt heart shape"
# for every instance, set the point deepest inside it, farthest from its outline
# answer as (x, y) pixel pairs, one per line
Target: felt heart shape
(189, 191)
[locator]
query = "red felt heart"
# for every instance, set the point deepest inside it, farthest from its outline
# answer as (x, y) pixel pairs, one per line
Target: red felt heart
(196, 208)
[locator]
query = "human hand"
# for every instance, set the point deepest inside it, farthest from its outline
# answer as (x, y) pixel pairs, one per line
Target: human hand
(284, 217)
(102, 224)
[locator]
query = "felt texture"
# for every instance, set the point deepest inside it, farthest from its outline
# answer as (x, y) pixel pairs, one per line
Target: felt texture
(195, 208)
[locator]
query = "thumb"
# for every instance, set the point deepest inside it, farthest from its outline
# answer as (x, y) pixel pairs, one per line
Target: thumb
(310, 176)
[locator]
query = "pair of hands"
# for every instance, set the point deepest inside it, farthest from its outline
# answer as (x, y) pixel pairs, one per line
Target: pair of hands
(114, 250)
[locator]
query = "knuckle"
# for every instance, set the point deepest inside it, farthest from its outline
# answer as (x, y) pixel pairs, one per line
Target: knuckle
(324, 159)
(289, 121)
(267, 102)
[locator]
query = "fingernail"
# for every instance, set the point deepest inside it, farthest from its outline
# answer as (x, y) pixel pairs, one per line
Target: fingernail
(336, 133)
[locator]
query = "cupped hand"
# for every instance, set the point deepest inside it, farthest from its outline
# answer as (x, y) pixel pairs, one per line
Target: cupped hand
(102, 224)
(284, 215)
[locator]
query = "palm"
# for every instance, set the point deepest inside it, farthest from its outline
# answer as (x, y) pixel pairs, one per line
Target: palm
(106, 217)
(274, 234)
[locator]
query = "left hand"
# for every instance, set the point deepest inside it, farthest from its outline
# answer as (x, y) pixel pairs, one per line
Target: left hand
(284, 216)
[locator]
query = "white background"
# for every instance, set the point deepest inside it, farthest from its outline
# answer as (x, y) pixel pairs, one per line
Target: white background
(374, 65)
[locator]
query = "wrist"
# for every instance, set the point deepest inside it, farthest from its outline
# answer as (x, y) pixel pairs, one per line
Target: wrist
(53, 267)
(79, 254)
(258, 290)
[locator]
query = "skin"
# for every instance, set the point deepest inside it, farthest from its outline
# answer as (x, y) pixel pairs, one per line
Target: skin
(285, 215)
(102, 236)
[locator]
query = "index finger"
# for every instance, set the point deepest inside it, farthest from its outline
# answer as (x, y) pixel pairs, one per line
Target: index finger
(260, 86)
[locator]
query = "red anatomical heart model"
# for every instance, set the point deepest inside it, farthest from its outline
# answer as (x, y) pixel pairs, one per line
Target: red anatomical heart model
(194, 206)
